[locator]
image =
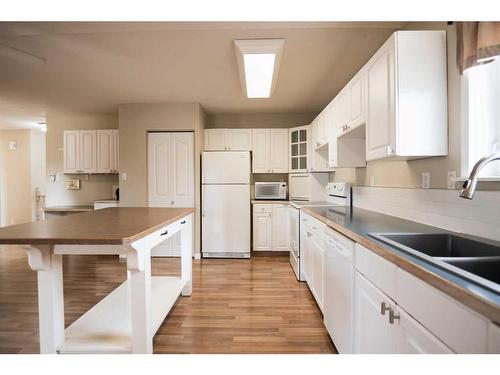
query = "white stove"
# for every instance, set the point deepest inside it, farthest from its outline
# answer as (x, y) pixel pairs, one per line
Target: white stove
(338, 199)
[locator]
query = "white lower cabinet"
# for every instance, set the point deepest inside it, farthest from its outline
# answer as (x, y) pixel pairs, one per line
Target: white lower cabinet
(270, 227)
(381, 326)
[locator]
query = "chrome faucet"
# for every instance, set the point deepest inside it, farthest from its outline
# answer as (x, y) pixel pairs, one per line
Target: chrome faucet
(469, 186)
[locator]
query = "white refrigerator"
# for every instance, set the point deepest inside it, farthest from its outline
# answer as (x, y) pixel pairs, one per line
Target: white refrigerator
(225, 227)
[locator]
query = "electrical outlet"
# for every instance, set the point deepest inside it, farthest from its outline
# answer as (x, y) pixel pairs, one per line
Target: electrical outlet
(451, 178)
(86, 177)
(426, 180)
(124, 177)
(52, 177)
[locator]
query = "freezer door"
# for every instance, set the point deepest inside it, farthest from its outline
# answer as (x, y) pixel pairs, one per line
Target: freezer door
(226, 219)
(227, 167)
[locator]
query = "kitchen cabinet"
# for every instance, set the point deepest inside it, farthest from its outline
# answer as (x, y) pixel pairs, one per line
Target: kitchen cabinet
(270, 151)
(383, 327)
(228, 140)
(280, 227)
(356, 91)
(307, 186)
(299, 148)
(80, 151)
(107, 151)
(406, 113)
(270, 227)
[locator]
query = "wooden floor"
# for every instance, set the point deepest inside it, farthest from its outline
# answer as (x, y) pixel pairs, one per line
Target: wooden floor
(237, 306)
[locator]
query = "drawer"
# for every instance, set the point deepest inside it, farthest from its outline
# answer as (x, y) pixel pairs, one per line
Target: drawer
(263, 208)
(460, 328)
(312, 223)
(379, 271)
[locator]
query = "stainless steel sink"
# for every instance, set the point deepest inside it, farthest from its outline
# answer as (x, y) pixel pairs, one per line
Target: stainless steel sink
(479, 260)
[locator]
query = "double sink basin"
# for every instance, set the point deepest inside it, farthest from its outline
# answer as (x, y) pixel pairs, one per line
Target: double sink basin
(473, 260)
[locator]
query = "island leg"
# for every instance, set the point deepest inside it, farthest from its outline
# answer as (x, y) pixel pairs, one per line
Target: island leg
(187, 254)
(139, 276)
(50, 296)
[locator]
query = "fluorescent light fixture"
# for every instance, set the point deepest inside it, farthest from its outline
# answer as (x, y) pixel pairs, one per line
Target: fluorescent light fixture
(258, 62)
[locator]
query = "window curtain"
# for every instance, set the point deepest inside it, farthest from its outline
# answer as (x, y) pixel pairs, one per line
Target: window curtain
(477, 43)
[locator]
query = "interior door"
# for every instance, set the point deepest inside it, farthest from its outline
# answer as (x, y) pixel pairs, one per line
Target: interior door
(88, 151)
(159, 164)
(381, 129)
(182, 169)
(261, 151)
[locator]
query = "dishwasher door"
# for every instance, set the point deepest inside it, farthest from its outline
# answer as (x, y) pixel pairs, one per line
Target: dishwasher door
(339, 290)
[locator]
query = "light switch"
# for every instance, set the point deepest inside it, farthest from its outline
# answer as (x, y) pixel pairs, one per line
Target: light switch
(52, 177)
(124, 177)
(12, 145)
(426, 180)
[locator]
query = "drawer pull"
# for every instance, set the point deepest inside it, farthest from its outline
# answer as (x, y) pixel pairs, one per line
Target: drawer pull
(384, 307)
(183, 222)
(393, 316)
(164, 233)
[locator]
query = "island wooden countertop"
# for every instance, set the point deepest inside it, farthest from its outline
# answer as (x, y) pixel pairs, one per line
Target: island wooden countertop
(109, 226)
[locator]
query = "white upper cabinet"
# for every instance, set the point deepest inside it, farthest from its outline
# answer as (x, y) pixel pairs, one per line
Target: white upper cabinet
(299, 138)
(116, 149)
(106, 151)
(71, 151)
(278, 162)
(406, 113)
(228, 140)
(215, 139)
(270, 151)
(91, 151)
(356, 91)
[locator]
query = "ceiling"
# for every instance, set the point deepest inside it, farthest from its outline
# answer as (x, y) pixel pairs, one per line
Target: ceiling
(94, 67)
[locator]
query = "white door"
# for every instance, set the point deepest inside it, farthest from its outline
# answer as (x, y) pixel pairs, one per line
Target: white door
(279, 151)
(71, 151)
(182, 169)
(381, 127)
(413, 338)
(159, 165)
(226, 218)
(262, 231)
(170, 178)
(239, 139)
(215, 140)
(105, 151)
(356, 92)
(261, 152)
(226, 167)
(116, 150)
(372, 331)
(88, 151)
(280, 228)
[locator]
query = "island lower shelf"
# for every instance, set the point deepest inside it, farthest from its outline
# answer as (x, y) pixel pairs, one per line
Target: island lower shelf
(107, 327)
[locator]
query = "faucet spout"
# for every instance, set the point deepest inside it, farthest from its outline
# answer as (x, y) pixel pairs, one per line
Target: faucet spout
(469, 186)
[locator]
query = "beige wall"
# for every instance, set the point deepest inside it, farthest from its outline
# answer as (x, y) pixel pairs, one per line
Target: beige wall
(269, 120)
(97, 186)
(135, 120)
(16, 198)
(390, 173)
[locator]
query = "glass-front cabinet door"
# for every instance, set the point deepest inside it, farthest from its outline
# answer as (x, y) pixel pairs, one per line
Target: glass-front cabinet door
(299, 148)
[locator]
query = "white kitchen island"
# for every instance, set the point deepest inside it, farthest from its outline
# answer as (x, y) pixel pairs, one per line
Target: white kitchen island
(126, 320)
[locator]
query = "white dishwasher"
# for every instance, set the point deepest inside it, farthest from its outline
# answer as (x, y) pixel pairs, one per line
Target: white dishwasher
(339, 289)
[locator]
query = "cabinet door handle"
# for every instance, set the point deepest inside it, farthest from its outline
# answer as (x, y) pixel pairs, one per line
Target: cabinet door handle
(183, 222)
(164, 233)
(384, 307)
(393, 316)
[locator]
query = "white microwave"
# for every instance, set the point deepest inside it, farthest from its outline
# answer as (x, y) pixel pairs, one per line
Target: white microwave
(270, 190)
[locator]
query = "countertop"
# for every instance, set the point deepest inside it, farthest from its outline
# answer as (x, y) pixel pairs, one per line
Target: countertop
(107, 226)
(68, 208)
(357, 223)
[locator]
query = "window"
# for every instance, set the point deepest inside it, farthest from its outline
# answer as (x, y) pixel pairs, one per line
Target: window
(483, 117)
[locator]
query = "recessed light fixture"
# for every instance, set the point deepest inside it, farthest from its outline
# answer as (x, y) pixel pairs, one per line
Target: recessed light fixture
(258, 62)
